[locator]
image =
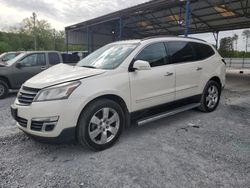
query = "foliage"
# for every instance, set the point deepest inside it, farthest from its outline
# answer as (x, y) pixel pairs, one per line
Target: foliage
(228, 46)
(4, 46)
(234, 54)
(34, 34)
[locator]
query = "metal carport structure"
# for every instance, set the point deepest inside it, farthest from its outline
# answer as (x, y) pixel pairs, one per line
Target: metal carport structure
(161, 17)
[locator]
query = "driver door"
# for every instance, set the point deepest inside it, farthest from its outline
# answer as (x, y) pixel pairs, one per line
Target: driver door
(155, 86)
(28, 67)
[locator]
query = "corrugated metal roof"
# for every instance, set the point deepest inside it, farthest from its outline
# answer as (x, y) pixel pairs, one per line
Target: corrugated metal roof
(161, 17)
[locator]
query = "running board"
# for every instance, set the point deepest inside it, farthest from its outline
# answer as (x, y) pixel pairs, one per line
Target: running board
(13, 90)
(166, 114)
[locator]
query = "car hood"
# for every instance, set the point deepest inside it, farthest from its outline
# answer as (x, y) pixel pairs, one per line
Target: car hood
(61, 73)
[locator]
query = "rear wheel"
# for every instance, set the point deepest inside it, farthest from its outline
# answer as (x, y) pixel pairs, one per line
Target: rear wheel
(4, 89)
(210, 97)
(100, 124)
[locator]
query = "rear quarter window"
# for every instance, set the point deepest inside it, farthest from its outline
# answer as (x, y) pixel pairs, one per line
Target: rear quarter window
(202, 51)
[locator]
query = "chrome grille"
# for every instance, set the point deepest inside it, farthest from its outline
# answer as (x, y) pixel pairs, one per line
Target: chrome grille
(26, 95)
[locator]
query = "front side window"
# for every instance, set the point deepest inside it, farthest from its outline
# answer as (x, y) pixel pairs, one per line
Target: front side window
(108, 57)
(54, 58)
(34, 60)
(180, 51)
(155, 54)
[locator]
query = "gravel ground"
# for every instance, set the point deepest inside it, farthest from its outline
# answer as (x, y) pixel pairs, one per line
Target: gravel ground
(191, 149)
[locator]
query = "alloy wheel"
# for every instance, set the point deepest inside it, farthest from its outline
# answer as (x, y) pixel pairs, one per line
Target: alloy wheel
(212, 97)
(104, 126)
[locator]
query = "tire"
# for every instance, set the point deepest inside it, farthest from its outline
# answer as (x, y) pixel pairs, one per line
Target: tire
(95, 129)
(210, 97)
(4, 89)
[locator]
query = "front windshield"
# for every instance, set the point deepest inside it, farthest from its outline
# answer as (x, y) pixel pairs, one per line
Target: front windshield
(108, 57)
(10, 62)
(2, 55)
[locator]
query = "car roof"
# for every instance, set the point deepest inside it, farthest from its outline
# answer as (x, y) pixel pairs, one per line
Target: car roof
(159, 38)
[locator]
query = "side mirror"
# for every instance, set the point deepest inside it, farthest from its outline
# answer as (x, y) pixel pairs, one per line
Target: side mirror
(141, 65)
(18, 65)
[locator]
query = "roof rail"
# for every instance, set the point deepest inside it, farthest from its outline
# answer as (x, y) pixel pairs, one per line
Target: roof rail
(160, 36)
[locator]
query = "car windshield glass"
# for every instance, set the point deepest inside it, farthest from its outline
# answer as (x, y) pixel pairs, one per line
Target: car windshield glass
(10, 62)
(2, 55)
(107, 57)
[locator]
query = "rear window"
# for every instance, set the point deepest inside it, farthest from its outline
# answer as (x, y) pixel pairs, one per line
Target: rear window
(54, 58)
(180, 51)
(202, 51)
(70, 58)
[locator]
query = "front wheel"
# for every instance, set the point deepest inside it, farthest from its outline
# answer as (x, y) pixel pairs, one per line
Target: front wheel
(210, 97)
(4, 89)
(100, 124)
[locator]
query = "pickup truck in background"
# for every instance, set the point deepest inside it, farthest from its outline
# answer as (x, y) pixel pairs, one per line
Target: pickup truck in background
(15, 72)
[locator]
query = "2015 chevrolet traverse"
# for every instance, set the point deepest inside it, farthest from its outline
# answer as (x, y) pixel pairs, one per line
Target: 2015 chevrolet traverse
(94, 100)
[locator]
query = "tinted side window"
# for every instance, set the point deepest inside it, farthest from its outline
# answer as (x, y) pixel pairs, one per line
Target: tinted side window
(180, 51)
(155, 54)
(54, 58)
(34, 60)
(202, 51)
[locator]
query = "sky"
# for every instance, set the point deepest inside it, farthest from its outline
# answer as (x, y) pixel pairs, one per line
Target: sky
(62, 13)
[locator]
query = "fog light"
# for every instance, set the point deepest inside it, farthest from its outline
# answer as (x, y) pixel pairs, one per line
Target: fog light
(44, 124)
(49, 127)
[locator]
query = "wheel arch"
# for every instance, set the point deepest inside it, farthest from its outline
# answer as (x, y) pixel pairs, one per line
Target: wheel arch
(6, 80)
(217, 79)
(119, 100)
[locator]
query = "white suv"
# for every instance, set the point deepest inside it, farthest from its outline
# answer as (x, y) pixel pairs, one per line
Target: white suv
(94, 100)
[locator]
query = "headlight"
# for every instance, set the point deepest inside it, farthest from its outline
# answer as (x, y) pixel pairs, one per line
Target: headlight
(61, 91)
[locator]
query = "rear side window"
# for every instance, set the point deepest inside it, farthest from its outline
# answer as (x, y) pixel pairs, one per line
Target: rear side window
(54, 58)
(155, 54)
(180, 51)
(202, 51)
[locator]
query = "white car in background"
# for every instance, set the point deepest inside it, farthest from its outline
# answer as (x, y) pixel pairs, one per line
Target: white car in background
(94, 100)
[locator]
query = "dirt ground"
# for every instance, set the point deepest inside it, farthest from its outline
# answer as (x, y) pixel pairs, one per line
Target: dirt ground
(191, 149)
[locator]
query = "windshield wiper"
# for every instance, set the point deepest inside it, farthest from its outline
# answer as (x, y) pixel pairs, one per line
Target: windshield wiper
(88, 66)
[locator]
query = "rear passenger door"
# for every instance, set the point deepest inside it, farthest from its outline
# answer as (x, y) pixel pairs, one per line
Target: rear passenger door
(155, 86)
(188, 70)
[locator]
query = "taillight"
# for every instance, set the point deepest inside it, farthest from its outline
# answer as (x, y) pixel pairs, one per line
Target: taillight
(223, 60)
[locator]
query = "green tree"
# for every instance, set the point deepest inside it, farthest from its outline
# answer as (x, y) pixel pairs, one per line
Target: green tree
(226, 46)
(246, 35)
(35, 34)
(4, 47)
(235, 40)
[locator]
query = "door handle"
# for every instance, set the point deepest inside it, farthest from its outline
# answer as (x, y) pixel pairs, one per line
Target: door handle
(199, 68)
(168, 74)
(43, 68)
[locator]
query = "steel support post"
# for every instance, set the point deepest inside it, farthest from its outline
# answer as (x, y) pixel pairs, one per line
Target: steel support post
(187, 17)
(216, 37)
(120, 29)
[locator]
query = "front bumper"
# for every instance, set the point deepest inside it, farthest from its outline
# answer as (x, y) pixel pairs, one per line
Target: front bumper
(67, 112)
